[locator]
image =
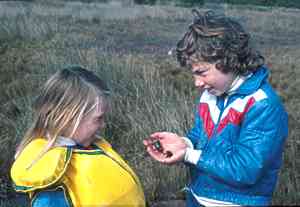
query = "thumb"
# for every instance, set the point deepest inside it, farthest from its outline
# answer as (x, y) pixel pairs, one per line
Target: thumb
(176, 157)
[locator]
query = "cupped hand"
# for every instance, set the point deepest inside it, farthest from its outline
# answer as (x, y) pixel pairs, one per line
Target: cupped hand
(172, 150)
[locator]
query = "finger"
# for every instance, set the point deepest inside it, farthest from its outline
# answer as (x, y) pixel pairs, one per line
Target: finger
(149, 141)
(156, 135)
(173, 158)
(168, 161)
(155, 154)
(161, 134)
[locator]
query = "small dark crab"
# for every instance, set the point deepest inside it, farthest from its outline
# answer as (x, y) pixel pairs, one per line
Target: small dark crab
(157, 145)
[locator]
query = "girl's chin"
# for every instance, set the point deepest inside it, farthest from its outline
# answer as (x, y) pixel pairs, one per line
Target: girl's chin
(215, 92)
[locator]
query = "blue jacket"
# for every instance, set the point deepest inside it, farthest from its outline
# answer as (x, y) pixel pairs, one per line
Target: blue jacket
(241, 142)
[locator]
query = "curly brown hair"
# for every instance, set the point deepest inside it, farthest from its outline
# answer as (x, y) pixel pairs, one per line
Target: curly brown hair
(218, 39)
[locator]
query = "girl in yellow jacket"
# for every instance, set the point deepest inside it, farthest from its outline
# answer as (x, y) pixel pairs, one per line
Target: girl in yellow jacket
(61, 161)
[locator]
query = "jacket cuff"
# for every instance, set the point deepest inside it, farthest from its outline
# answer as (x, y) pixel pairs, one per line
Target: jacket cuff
(192, 156)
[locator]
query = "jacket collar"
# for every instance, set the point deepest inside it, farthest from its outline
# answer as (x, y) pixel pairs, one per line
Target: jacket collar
(254, 82)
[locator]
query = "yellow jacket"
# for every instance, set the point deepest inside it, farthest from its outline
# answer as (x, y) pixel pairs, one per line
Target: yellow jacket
(98, 177)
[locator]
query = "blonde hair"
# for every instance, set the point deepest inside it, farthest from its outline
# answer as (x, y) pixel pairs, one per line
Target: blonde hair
(65, 99)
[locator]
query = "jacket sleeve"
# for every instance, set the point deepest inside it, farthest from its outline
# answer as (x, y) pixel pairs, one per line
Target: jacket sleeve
(259, 143)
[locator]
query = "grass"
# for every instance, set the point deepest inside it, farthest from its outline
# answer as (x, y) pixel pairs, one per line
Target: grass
(278, 3)
(127, 47)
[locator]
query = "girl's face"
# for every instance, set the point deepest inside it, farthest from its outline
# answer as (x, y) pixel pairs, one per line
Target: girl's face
(89, 125)
(208, 77)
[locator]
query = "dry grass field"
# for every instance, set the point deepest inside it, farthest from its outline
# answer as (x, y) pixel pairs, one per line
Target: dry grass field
(127, 45)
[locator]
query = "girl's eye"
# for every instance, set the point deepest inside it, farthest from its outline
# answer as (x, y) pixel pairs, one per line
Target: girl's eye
(200, 73)
(99, 119)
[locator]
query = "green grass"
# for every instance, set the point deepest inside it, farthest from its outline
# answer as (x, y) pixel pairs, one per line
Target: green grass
(268, 3)
(127, 47)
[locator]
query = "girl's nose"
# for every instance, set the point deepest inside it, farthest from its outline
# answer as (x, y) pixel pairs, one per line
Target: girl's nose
(199, 83)
(103, 125)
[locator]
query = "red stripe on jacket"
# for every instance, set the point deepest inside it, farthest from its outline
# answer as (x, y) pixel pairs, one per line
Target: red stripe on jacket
(235, 117)
(208, 123)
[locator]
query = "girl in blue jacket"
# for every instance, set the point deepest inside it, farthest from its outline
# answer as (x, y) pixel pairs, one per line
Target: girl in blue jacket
(234, 149)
